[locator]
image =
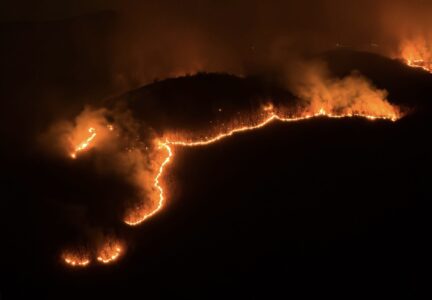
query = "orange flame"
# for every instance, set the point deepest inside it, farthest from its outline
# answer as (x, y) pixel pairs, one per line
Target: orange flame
(84, 145)
(76, 259)
(109, 252)
(417, 53)
(269, 116)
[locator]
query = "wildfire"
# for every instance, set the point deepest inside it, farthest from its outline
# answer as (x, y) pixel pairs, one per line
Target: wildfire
(84, 145)
(163, 152)
(140, 216)
(76, 259)
(417, 53)
(419, 63)
(269, 116)
(109, 252)
(87, 142)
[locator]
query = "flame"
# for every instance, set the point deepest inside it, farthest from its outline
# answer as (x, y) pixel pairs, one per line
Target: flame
(419, 63)
(417, 53)
(84, 144)
(109, 252)
(164, 147)
(138, 216)
(76, 259)
(90, 140)
(268, 107)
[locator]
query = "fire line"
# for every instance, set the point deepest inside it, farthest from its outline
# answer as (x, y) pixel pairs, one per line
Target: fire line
(111, 251)
(420, 64)
(84, 144)
(168, 144)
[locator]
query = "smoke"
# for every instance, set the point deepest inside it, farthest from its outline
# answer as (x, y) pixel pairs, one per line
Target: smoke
(163, 40)
(90, 57)
(352, 95)
(112, 146)
(123, 145)
(130, 149)
(66, 137)
(153, 40)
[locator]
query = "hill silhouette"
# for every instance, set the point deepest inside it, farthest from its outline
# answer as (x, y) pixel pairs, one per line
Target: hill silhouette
(321, 207)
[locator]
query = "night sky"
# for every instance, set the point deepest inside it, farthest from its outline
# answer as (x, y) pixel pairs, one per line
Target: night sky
(316, 208)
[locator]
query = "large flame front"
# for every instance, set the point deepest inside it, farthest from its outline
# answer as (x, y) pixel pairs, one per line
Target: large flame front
(269, 115)
(417, 53)
(109, 251)
(163, 153)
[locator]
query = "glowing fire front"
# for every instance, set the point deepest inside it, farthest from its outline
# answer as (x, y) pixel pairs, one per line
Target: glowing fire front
(84, 145)
(417, 53)
(109, 252)
(419, 63)
(88, 141)
(76, 259)
(139, 215)
(164, 149)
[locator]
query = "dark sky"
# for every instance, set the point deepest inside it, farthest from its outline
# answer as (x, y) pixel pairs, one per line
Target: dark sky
(148, 39)
(137, 41)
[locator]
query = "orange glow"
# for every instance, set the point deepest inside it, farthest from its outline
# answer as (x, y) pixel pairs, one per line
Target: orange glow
(163, 154)
(417, 53)
(268, 107)
(109, 252)
(76, 259)
(268, 116)
(84, 144)
(138, 216)
(419, 63)
(89, 141)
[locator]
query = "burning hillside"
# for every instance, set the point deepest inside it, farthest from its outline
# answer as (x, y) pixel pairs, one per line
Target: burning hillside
(199, 150)
(321, 97)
